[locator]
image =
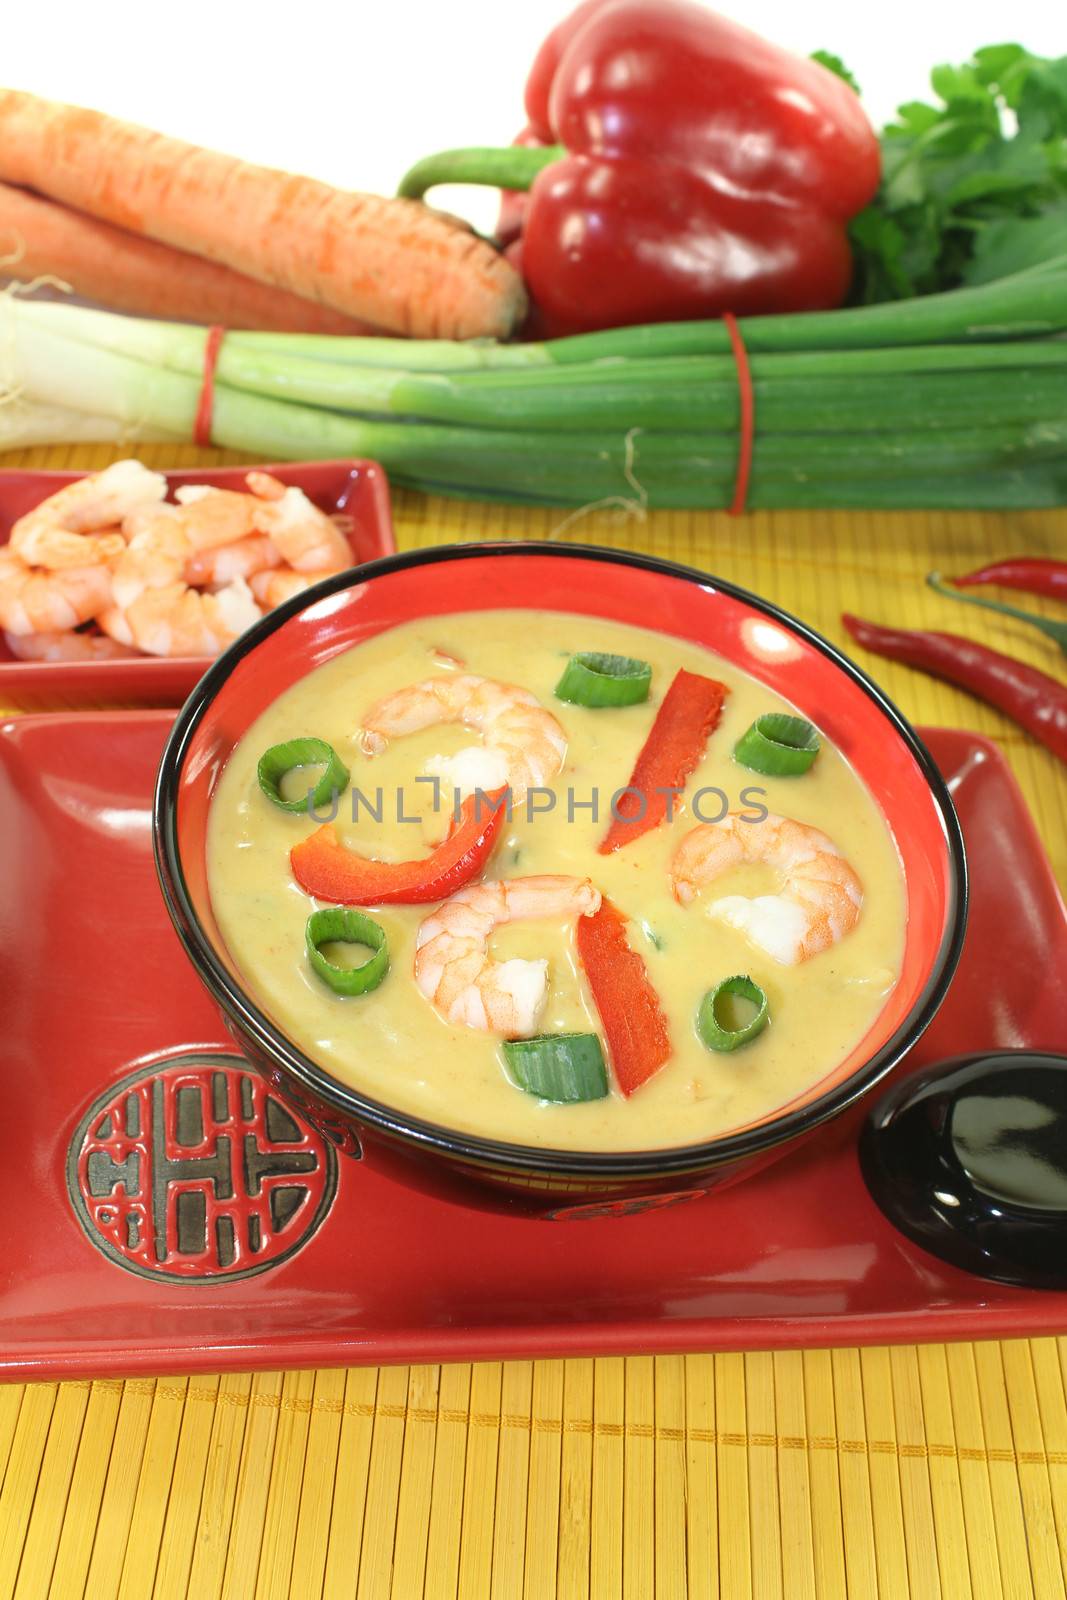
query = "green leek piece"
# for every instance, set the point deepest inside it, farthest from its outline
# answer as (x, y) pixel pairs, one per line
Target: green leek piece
(778, 745)
(714, 1032)
(282, 758)
(340, 925)
(564, 1067)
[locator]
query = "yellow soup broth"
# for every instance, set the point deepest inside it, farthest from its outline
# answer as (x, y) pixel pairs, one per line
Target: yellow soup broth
(392, 1045)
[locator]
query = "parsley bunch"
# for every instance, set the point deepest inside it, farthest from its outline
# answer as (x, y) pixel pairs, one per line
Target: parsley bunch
(973, 188)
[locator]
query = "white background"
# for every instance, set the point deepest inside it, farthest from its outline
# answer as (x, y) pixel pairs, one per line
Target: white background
(355, 92)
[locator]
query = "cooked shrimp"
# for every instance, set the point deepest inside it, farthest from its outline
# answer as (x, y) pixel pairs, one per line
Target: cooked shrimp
(524, 745)
(265, 486)
(156, 555)
(453, 967)
(34, 601)
(243, 559)
(186, 542)
(66, 647)
(215, 516)
(57, 533)
(819, 900)
(306, 537)
(145, 518)
(272, 588)
(179, 621)
(57, 551)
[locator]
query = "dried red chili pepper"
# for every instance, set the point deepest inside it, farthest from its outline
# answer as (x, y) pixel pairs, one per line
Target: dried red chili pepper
(1031, 698)
(1032, 574)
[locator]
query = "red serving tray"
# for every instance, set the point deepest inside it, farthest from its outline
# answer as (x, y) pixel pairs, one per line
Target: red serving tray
(358, 489)
(327, 1264)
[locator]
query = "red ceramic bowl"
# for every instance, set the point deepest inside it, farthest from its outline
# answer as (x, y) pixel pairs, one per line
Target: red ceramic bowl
(773, 647)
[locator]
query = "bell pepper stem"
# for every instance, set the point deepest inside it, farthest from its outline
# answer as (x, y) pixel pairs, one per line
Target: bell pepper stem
(1057, 631)
(514, 167)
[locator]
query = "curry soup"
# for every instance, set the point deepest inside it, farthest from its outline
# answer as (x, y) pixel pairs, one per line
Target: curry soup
(393, 1045)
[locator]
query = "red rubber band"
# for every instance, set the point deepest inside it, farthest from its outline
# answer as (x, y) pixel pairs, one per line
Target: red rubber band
(205, 406)
(748, 416)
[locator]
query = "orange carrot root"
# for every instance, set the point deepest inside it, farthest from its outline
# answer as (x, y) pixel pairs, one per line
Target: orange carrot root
(393, 263)
(39, 238)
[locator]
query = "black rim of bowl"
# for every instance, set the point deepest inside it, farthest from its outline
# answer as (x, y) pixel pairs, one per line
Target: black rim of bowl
(474, 1148)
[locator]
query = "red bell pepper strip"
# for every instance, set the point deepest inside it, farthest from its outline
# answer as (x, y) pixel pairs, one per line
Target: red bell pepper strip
(1034, 575)
(690, 712)
(690, 168)
(1031, 698)
(329, 871)
(634, 1024)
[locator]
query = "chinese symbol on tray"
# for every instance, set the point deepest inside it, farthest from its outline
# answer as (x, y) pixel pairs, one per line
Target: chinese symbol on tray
(193, 1169)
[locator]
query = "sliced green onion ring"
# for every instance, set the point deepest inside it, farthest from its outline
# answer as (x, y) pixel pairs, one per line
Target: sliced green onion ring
(564, 1067)
(597, 681)
(282, 758)
(778, 745)
(338, 924)
(712, 1031)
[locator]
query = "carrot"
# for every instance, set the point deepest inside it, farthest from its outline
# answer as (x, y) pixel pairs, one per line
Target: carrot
(394, 263)
(39, 238)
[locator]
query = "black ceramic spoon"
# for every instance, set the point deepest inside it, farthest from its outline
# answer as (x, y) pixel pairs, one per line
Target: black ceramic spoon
(969, 1159)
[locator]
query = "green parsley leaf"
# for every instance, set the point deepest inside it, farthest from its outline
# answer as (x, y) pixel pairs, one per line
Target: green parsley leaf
(972, 187)
(1014, 244)
(834, 64)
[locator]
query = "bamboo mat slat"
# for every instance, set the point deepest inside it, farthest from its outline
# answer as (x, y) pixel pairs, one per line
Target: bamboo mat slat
(446, 1505)
(542, 1489)
(861, 1559)
(609, 1483)
(936, 1471)
(512, 1479)
(350, 1483)
(670, 1544)
(415, 1495)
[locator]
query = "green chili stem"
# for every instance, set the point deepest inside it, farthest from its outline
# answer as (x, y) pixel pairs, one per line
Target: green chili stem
(1056, 631)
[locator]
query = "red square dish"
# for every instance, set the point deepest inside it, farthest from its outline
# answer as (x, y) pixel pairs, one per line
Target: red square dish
(125, 1101)
(357, 489)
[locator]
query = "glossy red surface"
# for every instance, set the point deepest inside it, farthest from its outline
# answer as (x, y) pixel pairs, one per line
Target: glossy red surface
(358, 489)
(703, 170)
(587, 583)
(94, 985)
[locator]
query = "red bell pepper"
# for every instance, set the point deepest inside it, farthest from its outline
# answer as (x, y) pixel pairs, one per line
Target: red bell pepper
(639, 1042)
(690, 168)
(670, 755)
(326, 869)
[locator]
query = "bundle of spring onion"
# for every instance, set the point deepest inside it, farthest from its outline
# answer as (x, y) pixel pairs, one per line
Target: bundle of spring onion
(954, 399)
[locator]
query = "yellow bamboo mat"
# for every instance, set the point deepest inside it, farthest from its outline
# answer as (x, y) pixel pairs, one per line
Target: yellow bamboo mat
(934, 1471)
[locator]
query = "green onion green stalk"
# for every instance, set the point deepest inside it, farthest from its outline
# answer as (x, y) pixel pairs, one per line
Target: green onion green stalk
(281, 759)
(778, 745)
(342, 925)
(948, 400)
